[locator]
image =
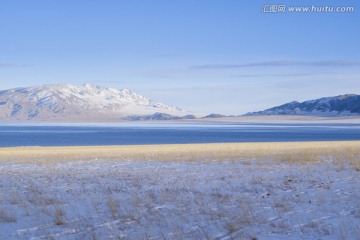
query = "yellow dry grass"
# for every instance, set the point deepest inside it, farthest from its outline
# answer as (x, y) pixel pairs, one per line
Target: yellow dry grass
(292, 152)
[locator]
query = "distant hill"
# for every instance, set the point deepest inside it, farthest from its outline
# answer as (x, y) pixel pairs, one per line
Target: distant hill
(87, 102)
(159, 116)
(215, 115)
(343, 105)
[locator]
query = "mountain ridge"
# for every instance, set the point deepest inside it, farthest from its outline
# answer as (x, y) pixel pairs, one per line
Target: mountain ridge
(341, 105)
(68, 101)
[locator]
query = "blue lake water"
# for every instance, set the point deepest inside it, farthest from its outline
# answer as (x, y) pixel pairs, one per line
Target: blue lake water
(11, 136)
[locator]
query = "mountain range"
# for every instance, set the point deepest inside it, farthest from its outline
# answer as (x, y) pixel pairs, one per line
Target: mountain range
(87, 102)
(92, 103)
(342, 105)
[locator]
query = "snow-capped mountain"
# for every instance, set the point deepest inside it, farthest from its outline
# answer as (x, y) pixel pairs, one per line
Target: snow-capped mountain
(77, 102)
(343, 105)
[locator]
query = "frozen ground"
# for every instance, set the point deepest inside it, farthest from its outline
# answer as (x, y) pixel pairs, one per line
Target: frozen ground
(179, 200)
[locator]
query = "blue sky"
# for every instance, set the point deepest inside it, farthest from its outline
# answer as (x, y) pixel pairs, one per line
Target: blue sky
(223, 56)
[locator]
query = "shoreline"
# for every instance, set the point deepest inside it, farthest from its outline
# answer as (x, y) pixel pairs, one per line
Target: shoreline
(284, 151)
(266, 119)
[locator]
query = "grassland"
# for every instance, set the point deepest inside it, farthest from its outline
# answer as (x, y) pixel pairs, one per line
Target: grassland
(291, 152)
(300, 190)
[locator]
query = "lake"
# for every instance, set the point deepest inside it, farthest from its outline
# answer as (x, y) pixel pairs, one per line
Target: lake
(131, 134)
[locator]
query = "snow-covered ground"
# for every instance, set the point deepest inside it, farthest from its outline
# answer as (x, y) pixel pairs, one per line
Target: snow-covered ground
(179, 200)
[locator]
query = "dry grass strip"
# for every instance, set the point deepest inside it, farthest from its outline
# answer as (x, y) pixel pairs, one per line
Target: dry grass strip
(292, 152)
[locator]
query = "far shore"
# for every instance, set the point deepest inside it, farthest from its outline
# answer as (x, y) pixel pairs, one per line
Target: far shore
(294, 152)
(121, 120)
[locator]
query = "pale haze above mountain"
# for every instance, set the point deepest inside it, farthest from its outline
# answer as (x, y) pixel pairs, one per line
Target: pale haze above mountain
(87, 102)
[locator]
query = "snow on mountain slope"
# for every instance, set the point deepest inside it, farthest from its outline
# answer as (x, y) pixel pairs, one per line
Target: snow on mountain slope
(66, 101)
(342, 105)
